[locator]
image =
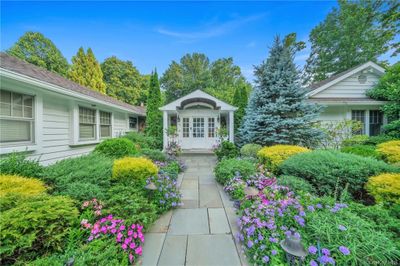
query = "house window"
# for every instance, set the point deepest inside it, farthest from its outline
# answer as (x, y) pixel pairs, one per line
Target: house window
(133, 122)
(87, 123)
(198, 127)
(16, 117)
(185, 127)
(211, 127)
(375, 122)
(359, 115)
(105, 124)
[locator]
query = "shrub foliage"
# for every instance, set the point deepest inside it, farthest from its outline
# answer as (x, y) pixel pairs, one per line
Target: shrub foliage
(226, 150)
(131, 169)
(13, 184)
(17, 164)
(226, 169)
(250, 150)
(295, 183)
(117, 147)
(385, 188)
(273, 156)
(390, 150)
(362, 150)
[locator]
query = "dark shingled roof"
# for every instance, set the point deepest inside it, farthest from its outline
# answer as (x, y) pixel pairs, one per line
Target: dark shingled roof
(21, 67)
(316, 85)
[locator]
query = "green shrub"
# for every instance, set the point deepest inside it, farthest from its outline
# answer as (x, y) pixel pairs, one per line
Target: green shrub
(102, 251)
(226, 150)
(295, 184)
(82, 178)
(362, 150)
(172, 169)
(390, 151)
(385, 188)
(131, 204)
(13, 184)
(227, 168)
(375, 140)
(118, 147)
(367, 245)
(142, 141)
(17, 164)
(355, 140)
(36, 226)
(273, 156)
(328, 171)
(250, 150)
(132, 169)
(154, 155)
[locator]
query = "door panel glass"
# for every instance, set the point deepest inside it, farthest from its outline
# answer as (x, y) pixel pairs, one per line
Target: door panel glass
(198, 127)
(211, 127)
(185, 127)
(375, 122)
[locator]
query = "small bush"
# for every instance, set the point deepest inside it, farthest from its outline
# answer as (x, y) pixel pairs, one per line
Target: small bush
(250, 150)
(355, 140)
(118, 147)
(375, 140)
(154, 155)
(17, 164)
(295, 184)
(226, 150)
(131, 204)
(82, 178)
(385, 188)
(390, 150)
(13, 184)
(227, 168)
(172, 169)
(330, 171)
(362, 150)
(36, 226)
(133, 169)
(273, 156)
(142, 141)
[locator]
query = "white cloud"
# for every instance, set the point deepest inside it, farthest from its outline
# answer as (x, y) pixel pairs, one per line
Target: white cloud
(210, 29)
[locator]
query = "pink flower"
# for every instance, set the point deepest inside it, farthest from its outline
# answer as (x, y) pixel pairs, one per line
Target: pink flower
(85, 204)
(113, 231)
(133, 226)
(132, 245)
(122, 227)
(134, 235)
(124, 246)
(130, 232)
(131, 258)
(127, 240)
(138, 251)
(97, 213)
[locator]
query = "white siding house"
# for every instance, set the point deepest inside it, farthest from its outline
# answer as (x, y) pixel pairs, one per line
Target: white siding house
(344, 97)
(53, 118)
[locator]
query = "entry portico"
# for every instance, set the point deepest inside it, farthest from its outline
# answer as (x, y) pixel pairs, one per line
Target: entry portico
(197, 118)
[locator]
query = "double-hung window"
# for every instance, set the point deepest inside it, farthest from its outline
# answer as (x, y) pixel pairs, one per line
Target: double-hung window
(375, 122)
(105, 124)
(359, 115)
(16, 117)
(87, 124)
(133, 121)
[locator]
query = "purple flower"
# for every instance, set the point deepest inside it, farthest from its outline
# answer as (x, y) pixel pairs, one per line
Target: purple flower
(262, 247)
(302, 213)
(324, 259)
(312, 250)
(319, 206)
(313, 263)
(311, 209)
(345, 251)
(273, 240)
(260, 237)
(326, 251)
(342, 228)
(265, 259)
(297, 235)
(249, 244)
(274, 252)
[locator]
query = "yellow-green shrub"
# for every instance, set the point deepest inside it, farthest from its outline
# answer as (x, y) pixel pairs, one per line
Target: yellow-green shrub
(133, 169)
(384, 187)
(390, 151)
(14, 184)
(273, 156)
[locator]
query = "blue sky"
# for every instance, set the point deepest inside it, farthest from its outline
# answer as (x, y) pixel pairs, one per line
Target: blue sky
(152, 34)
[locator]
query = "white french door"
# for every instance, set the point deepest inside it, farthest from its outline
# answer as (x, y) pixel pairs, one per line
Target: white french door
(198, 132)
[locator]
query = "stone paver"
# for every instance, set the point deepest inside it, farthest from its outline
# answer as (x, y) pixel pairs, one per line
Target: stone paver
(215, 250)
(218, 222)
(174, 251)
(201, 231)
(189, 221)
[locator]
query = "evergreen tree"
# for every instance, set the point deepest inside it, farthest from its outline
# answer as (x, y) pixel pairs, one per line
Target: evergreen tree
(240, 99)
(278, 111)
(35, 48)
(153, 114)
(86, 71)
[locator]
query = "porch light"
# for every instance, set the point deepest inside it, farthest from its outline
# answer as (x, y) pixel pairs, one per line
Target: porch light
(151, 186)
(251, 191)
(294, 250)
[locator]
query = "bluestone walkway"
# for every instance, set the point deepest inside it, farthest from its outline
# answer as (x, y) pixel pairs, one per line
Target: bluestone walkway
(201, 232)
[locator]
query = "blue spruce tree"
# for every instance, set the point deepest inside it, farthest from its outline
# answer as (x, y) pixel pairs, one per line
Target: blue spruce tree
(278, 111)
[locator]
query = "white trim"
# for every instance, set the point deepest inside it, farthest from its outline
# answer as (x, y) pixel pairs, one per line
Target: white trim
(58, 89)
(354, 71)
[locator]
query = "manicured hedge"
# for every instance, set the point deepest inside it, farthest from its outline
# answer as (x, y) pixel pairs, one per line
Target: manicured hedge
(133, 169)
(273, 156)
(13, 184)
(226, 169)
(118, 147)
(327, 170)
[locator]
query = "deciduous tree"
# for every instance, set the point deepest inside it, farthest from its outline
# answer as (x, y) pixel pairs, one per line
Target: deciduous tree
(35, 48)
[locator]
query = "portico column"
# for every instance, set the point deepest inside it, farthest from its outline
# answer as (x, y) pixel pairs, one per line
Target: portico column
(165, 128)
(231, 127)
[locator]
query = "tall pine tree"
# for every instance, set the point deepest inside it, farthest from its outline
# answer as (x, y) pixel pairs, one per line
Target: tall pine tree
(86, 71)
(277, 111)
(240, 101)
(153, 114)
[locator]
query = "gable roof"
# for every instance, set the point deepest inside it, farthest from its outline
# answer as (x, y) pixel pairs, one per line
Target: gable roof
(18, 66)
(324, 84)
(197, 95)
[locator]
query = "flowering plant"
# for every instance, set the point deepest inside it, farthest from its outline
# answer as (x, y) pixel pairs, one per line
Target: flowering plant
(173, 149)
(167, 195)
